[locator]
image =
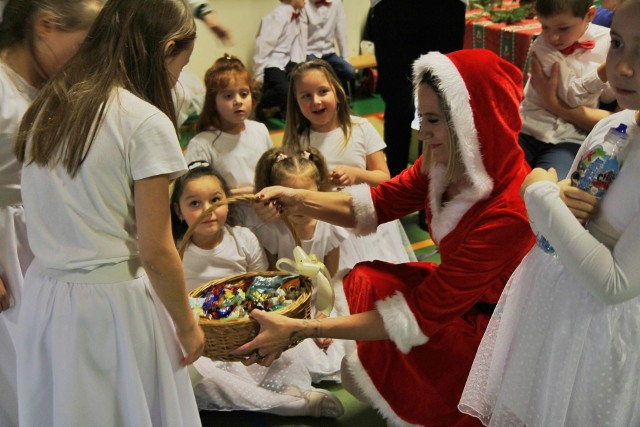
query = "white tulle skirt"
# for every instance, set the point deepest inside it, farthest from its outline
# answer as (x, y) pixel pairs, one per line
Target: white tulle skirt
(389, 243)
(554, 355)
(99, 354)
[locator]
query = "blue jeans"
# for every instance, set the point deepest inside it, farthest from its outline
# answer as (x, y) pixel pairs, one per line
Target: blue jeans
(541, 154)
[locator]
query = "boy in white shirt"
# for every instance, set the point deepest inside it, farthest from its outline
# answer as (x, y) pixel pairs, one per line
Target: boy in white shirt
(569, 39)
(280, 46)
(326, 22)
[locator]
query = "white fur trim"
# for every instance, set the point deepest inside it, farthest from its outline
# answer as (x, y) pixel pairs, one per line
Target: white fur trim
(366, 217)
(400, 323)
(367, 387)
(452, 86)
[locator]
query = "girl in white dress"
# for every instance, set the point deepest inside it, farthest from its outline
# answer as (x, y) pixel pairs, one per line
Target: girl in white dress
(562, 346)
(219, 249)
(307, 170)
(318, 115)
(108, 330)
(28, 56)
(226, 138)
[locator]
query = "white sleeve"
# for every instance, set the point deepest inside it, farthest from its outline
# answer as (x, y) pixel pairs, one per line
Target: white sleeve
(266, 42)
(199, 8)
(580, 90)
(196, 150)
(341, 30)
(612, 276)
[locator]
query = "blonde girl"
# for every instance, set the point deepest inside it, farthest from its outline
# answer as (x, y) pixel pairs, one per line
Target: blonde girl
(306, 170)
(318, 116)
(109, 329)
(37, 37)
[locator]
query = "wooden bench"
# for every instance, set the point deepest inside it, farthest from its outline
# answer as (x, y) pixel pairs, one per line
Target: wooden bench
(360, 62)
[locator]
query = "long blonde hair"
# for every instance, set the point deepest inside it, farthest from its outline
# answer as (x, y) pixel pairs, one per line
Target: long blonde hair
(297, 126)
(124, 48)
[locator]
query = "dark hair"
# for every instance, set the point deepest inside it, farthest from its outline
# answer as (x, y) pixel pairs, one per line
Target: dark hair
(275, 165)
(577, 8)
(297, 125)
(197, 170)
(218, 77)
(124, 48)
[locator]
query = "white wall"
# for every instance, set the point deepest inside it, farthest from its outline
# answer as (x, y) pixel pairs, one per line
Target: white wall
(242, 17)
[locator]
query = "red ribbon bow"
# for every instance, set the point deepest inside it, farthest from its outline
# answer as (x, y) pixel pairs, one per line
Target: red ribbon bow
(589, 44)
(294, 15)
(319, 3)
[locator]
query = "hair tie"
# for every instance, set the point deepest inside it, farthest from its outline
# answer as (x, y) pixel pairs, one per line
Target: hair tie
(198, 164)
(305, 155)
(227, 56)
(280, 157)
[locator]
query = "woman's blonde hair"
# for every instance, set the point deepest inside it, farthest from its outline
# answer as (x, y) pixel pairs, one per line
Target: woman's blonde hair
(298, 127)
(126, 47)
(455, 167)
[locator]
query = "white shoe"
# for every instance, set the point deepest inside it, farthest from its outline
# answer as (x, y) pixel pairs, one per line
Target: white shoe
(320, 402)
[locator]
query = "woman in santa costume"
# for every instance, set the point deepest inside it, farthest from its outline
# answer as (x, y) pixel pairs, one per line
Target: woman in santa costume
(418, 325)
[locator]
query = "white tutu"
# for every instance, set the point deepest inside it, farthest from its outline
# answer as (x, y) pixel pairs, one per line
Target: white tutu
(554, 355)
(389, 243)
(99, 354)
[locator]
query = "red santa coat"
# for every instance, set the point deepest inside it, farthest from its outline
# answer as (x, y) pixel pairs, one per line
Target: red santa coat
(434, 314)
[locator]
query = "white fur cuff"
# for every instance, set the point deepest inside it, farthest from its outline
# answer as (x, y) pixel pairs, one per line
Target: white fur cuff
(400, 323)
(366, 217)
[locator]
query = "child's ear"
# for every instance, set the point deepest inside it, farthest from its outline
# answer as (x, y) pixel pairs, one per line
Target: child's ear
(176, 209)
(591, 13)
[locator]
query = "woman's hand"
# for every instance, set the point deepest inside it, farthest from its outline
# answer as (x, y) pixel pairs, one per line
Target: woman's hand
(272, 202)
(581, 204)
(192, 342)
(4, 297)
(322, 343)
(539, 174)
(277, 332)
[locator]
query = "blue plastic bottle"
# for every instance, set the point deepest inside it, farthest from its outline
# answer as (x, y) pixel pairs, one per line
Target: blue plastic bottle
(596, 171)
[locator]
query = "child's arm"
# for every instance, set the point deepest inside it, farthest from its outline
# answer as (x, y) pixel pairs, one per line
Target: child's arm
(161, 262)
(547, 89)
(4, 297)
(377, 171)
(341, 31)
(266, 41)
(332, 261)
(613, 276)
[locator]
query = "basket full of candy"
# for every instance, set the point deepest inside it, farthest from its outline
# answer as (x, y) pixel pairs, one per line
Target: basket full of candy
(223, 305)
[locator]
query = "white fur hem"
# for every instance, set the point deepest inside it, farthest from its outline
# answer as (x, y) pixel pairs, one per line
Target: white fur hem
(400, 323)
(366, 217)
(367, 387)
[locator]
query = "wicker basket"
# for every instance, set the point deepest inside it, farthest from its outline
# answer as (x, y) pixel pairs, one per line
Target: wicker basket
(223, 336)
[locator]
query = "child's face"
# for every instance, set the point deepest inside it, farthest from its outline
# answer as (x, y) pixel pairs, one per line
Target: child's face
(198, 195)
(434, 130)
(563, 29)
(234, 105)
(623, 59)
(176, 63)
(300, 182)
(317, 101)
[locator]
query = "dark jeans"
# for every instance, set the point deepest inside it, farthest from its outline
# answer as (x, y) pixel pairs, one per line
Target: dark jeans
(543, 155)
(275, 88)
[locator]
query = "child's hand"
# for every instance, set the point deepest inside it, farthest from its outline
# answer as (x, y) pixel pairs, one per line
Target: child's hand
(582, 204)
(539, 174)
(545, 86)
(343, 176)
(192, 343)
(322, 343)
(4, 297)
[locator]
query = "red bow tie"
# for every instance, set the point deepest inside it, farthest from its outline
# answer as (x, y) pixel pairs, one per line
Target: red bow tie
(294, 15)
(319, 3)
(589, 44)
